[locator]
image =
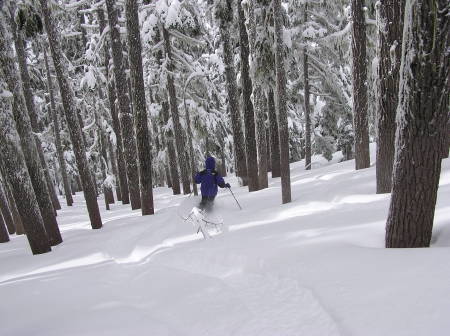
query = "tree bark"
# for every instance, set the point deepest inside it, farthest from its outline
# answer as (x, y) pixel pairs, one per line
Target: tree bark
(140, 111)
(29, 102)
(56, 129)
(261, 134)
(126, 118)
(121, 173)
(226, 18)
(274, 136)
(15, 170)
(72, 121)
(389, 50)
(191, 147)
(113, 160)
(18, 225)
(175, 178)
(282, 101)
(307, 99)
(183, 159)
(4, 236)
(5, 209)
(421, 123)
(249, 114)
(27, 139)
(359, 71)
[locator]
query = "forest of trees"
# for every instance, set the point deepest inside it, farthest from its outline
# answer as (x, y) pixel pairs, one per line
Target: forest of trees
(117, 97)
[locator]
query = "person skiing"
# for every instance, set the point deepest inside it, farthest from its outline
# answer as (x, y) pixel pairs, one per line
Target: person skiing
(209, 179)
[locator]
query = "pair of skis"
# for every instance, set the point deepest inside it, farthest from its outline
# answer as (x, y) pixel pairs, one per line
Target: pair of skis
(198, 219)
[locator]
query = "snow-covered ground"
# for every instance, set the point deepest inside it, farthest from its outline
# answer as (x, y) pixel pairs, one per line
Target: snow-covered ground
(316, 266)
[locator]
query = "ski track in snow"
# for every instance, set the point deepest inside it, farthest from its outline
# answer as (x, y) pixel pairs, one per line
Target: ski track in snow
(316, 266)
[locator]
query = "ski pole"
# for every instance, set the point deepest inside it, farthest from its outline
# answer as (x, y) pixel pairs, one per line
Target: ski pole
(235, 198)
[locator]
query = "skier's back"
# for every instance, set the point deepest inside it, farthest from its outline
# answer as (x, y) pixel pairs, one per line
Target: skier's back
(209, 179)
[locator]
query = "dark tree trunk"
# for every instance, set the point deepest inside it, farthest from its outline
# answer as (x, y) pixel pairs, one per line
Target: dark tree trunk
(140, 111)
(260, 103)
(191, 147)
(17, 219)
(72, 121)
(121, 174)
(307, 98)
(15, 171)
(4, 236)
(56, 129)
(249, 114)
(263, 155)
(225, 16)
(359, 71)
(183, 159)
(282, 101)
(390, 31)
(29, 102)
(107, 188)
(126, 118)
(274, 136)
(27, 140)
(421, 123)
(175, 179)
(113, 160)
(5, 210)
(446, 140)
(269, 154)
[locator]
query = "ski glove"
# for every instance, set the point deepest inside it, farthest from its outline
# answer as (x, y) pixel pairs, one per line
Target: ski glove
(227, 185)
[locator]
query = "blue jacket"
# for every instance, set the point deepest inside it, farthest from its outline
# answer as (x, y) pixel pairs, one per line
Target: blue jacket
(209, 178)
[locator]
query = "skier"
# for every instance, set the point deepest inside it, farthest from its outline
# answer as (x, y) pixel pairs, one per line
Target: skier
(209, 179)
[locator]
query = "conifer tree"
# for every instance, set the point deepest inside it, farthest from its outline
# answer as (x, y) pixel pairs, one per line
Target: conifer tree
(126, 118)
(359, 72)
(282, 101)
(390, 31)
(140, 110)
(75, 130)
(421, 123)
(28, 143)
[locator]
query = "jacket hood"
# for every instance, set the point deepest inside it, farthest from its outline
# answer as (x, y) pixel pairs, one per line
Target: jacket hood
(210, 163)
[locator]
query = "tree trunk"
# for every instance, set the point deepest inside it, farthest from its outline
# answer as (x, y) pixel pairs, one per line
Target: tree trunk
(307, 98)
(126, 118)
(113, 159)
(249, 114)
(274, 136)
(29, 102)
(140, 111)
(16, 172)
(27, 139)
(5, 209)
(268, 149)
(175, 178)
(17, 219)
(4, 236)
(107, 189)
(183, 159)
(72, 121)
(263, 155)
(121, 174)
(421, 123)
(282, 101)
(56, 129)
(359, 71)
(226, 19)
(389, 50)
(191, 148)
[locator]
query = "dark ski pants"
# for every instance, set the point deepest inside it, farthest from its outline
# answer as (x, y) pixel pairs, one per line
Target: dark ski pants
(207, 203)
